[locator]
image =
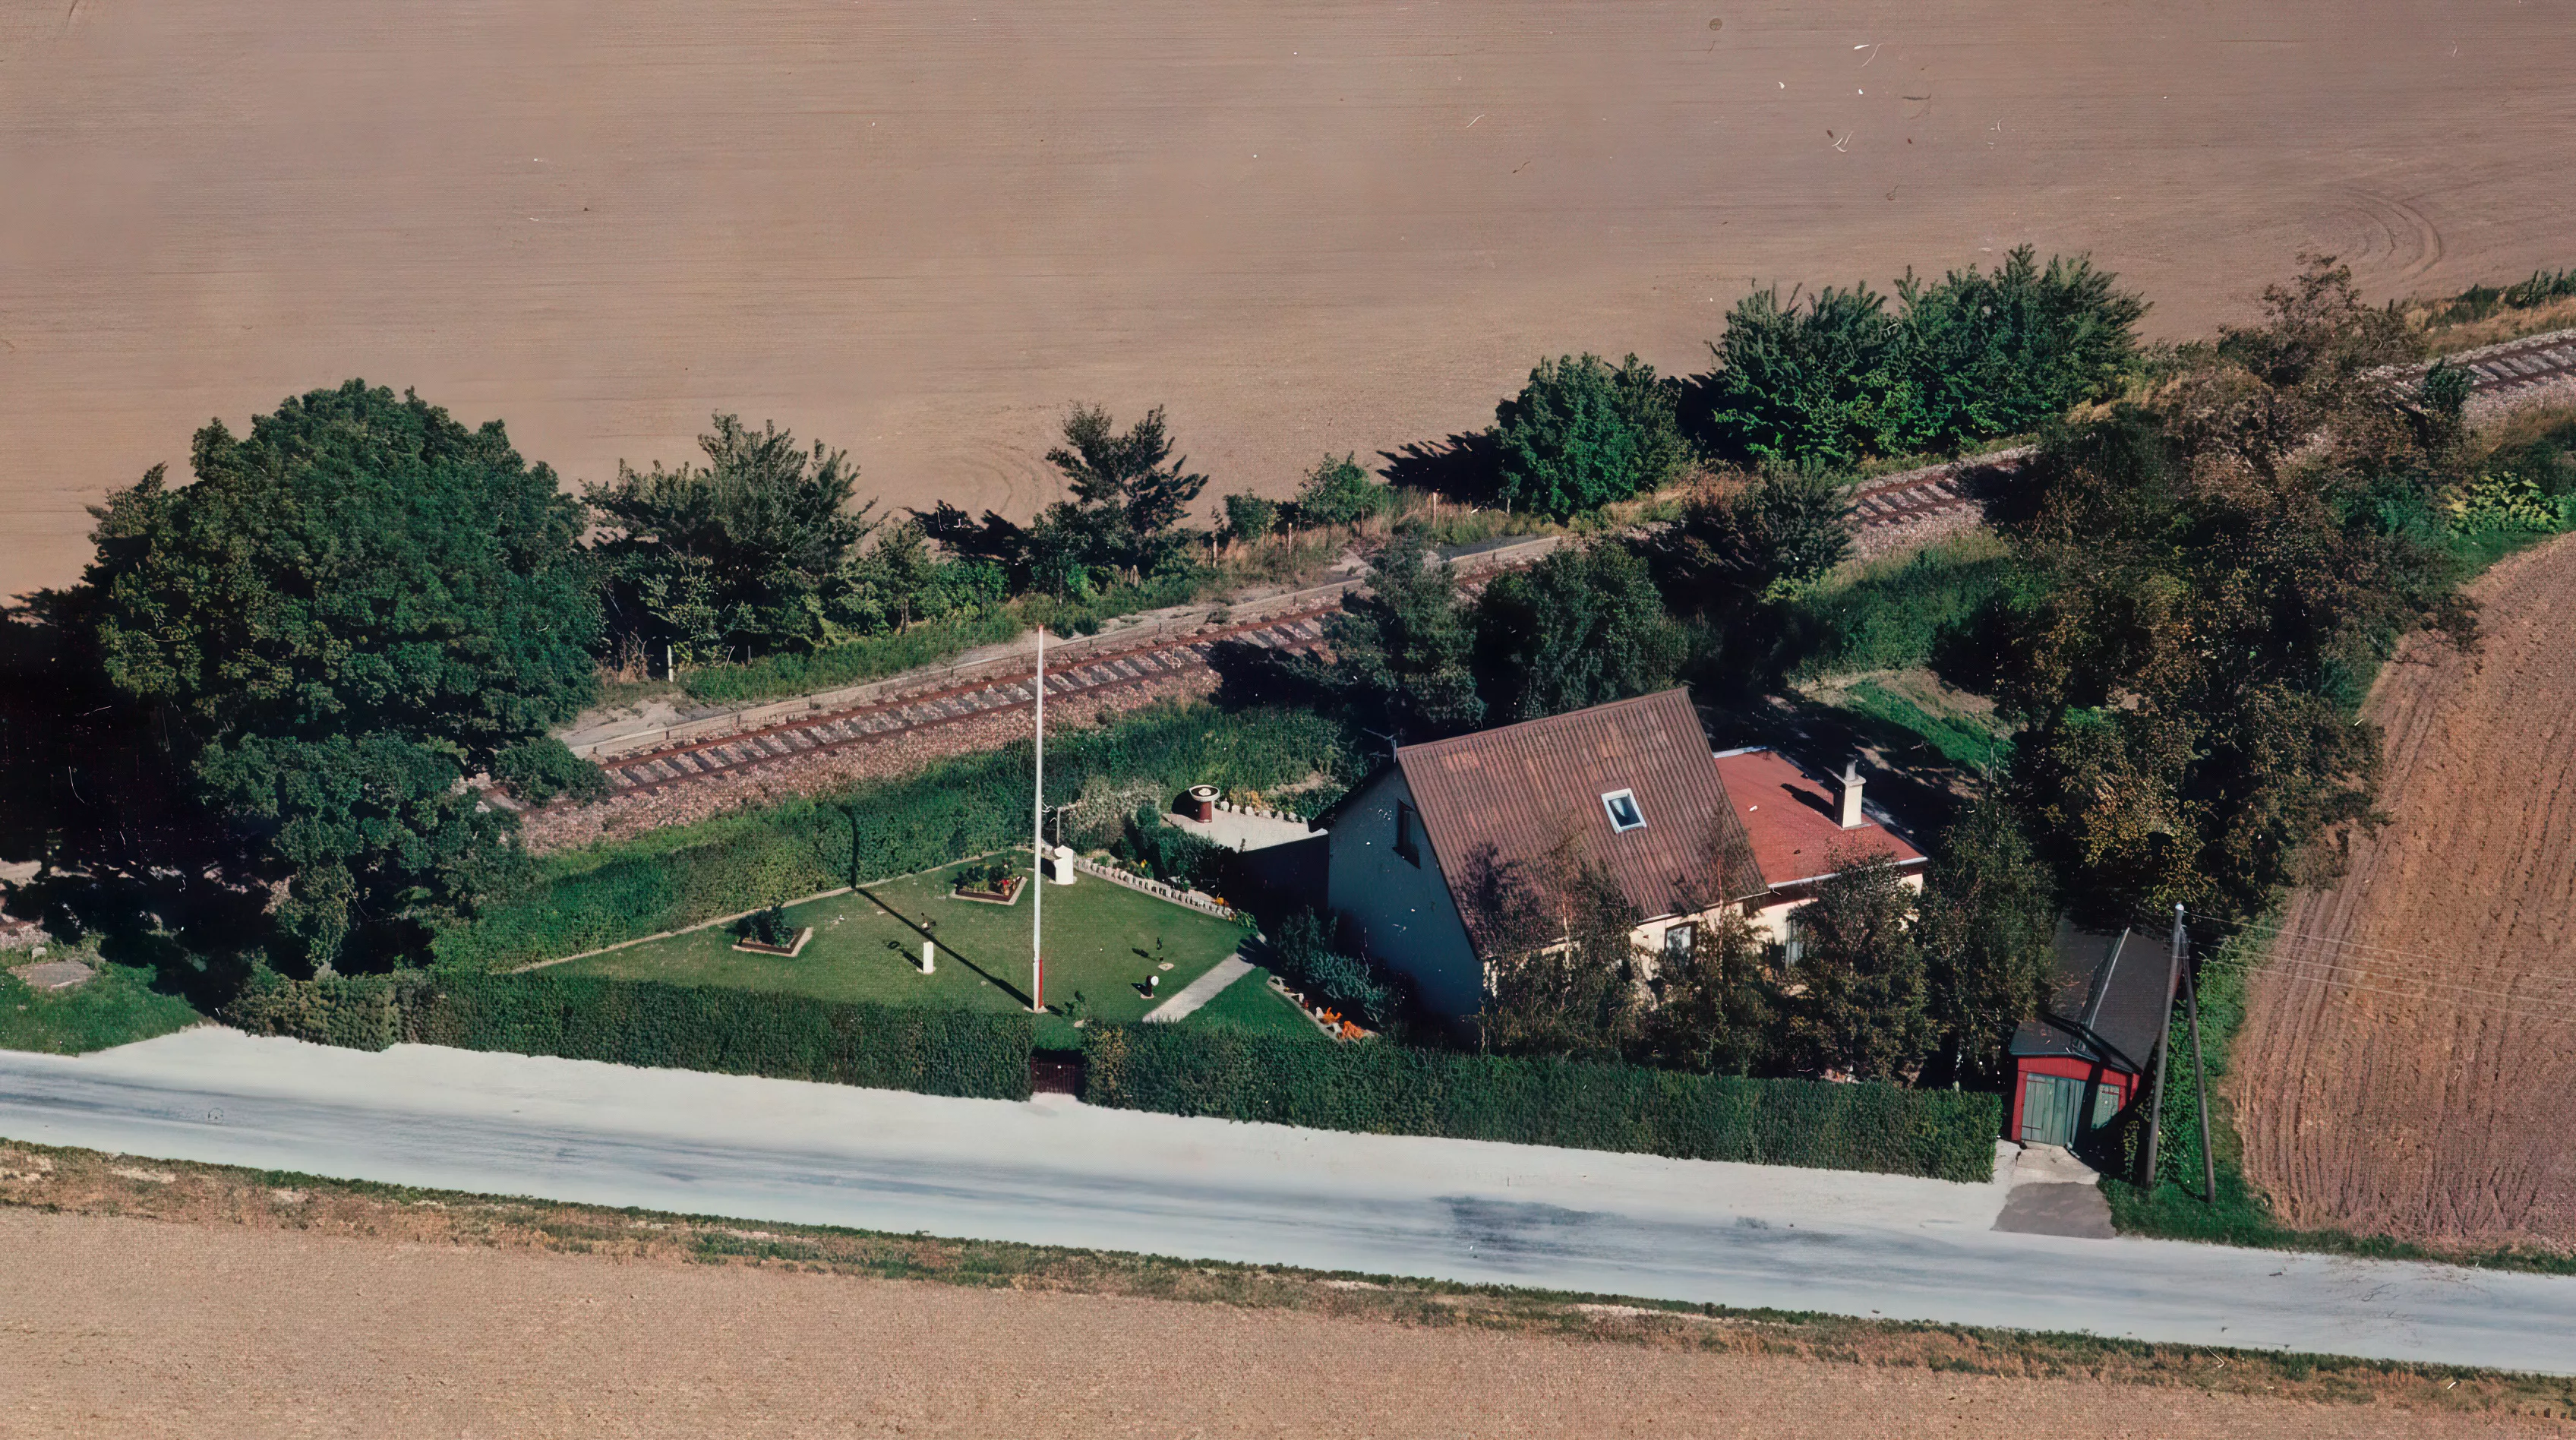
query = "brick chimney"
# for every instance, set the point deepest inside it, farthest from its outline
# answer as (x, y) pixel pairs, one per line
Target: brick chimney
(1852, 818)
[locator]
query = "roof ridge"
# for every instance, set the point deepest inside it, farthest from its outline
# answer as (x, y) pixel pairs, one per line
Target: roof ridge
(1565, 716)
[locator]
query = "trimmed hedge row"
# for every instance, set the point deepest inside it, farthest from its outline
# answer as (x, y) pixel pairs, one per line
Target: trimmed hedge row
(641, 1023)
(1394, 1090)
(970, 805)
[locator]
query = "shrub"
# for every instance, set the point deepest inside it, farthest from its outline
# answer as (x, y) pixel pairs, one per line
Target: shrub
(1970, 356)
(2504, 502)
(1388, 1089)
(544, 768)
(765, 927)
(1339, 492)
(989, 877)
(1169, 853)
(1249, 517)
(355, 1012)
(1582, 434)
(1303, 954)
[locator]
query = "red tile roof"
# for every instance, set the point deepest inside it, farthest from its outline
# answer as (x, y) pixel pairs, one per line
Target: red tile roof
(1525, 789)
(1792, 820)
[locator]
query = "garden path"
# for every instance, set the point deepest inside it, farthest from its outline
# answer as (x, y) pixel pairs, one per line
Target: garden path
(1200, 991)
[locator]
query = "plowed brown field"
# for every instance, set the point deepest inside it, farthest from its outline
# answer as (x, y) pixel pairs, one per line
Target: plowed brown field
(2408, 1064)
(918, 228)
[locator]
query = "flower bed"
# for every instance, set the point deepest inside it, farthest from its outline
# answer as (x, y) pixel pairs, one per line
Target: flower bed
(791, 949)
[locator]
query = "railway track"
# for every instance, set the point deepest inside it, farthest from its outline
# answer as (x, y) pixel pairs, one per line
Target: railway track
(1143, 667)
(1881, 510)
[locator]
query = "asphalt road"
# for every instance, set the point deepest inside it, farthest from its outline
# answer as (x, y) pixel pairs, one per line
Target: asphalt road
(1056, 1172)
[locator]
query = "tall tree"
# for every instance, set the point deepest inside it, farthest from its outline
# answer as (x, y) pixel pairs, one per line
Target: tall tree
(1741, 545)
(352, 609)
(733, 555)
(1855, 1001)
(1713, 1010)
(1555, 935)
(1402, 650)
(2206, 581)
(1129, 497)
(1584, 626)
(1987, 930)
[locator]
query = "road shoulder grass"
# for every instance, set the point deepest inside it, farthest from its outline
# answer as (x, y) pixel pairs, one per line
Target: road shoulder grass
(82, 1182)
(117, 1006)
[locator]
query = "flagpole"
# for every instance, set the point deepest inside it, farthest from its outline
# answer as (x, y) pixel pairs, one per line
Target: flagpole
(1037, 847)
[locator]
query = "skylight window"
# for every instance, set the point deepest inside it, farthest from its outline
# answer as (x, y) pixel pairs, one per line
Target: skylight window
(1624, 814)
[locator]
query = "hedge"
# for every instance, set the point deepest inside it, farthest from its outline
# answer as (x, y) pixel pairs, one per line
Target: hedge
(971, 805)
(1390, 1089)
(641, 1023)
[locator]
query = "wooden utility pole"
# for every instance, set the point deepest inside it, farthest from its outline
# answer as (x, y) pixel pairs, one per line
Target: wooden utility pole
(1037, 847)
(2200, 1082)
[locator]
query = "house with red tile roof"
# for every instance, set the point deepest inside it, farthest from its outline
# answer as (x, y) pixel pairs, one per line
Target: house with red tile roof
(1631, 789)
(1803, 829)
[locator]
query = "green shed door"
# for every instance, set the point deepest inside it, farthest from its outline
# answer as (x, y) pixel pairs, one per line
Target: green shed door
(2050, 1105)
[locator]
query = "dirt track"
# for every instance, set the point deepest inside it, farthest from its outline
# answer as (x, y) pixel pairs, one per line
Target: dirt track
(919, 227)
(196, 1331)
(2409, 1051)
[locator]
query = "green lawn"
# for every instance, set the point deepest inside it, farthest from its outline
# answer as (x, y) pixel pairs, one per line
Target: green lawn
(116, 1007)
(1102, 941)
(1250, 1004)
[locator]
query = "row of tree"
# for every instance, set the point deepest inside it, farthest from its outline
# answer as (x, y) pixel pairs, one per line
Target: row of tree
(1824, 382)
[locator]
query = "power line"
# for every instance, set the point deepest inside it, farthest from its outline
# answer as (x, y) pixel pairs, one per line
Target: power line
(2257, 925)
(2518, 997)
(2459, 1005)
(2341, 975)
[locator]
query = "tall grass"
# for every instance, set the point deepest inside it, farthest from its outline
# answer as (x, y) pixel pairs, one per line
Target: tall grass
(1891, 614)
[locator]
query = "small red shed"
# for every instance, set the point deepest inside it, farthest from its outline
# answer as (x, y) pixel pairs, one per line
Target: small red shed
(2086, 1057)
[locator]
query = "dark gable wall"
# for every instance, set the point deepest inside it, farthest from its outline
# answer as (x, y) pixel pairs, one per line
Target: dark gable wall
(1401, 914)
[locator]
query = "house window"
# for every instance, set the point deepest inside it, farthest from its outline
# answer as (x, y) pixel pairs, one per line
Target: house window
(1406, 831)
(1679, 939)
(1793, 948)
(1624, 814)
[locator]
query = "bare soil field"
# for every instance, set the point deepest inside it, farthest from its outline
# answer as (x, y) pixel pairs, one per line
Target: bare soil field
(219, 1302)
(919, 228)
(2409, 1047)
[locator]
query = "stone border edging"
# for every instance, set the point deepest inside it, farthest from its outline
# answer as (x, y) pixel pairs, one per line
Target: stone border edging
(1156, 888)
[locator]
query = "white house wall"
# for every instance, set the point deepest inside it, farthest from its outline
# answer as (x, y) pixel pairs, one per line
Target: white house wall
(1771, 919)
(1400, 913)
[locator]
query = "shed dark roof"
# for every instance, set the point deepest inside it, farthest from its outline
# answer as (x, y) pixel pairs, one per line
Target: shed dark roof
(2108, 1001)
(1526, 789)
